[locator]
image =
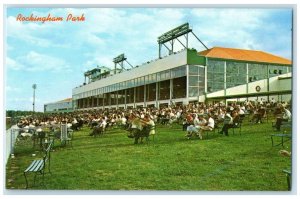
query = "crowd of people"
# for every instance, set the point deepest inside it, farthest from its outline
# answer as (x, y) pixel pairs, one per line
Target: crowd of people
(194, 117)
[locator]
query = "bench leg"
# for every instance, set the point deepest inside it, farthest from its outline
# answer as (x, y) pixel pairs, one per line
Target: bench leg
(288, 178)
(34, 179)
(26, 180)
(43, 173)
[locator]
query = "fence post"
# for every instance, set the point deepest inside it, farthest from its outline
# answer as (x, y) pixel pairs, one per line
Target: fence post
(11, 141)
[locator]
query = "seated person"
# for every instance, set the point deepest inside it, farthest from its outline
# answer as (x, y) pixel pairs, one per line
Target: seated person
(287, 116)
(100, 128)
(197, 123)
(261, 112)
(148, 121)
(187, 122)
(209, 126)
(228, 123)
(235, 118)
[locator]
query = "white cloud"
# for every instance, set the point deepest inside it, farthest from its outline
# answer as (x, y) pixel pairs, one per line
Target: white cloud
(34, 61)
(231, 27)
(26, 32)
(11, 89)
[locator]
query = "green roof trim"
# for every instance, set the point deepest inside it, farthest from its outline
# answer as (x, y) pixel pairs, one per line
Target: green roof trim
(193, 58)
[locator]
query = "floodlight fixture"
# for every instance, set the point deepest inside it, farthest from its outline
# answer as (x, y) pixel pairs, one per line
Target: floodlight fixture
(119, 58)
(173, 35)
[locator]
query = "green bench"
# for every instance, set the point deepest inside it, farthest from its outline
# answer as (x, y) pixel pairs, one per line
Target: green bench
(38, 165)
(284, 138)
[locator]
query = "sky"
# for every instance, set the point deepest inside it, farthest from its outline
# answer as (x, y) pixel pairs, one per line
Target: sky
(54, 55)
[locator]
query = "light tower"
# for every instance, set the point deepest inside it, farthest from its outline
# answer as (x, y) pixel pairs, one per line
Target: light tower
(33, 103)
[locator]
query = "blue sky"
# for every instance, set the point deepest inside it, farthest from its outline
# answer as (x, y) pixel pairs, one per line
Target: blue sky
(54, 55)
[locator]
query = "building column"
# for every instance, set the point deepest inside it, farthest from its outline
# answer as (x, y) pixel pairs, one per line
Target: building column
(103, 101)
(125, 100)
(117, 98)
(156, 95)
(171, 91)
(187, 83)
(134, 93)
(268, 83)
(225, 86)
(247, 79)
(145, 87)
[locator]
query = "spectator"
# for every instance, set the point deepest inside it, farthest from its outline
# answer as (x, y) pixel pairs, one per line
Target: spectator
(287, 116)
(228, 121)
(209, 126)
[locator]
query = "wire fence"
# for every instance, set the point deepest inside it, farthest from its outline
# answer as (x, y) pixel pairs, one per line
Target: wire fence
(11, 137)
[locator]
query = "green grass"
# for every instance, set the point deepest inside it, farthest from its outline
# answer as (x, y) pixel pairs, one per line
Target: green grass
(170, 162)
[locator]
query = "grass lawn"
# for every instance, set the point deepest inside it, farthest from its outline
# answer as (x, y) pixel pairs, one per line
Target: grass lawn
(244, 162)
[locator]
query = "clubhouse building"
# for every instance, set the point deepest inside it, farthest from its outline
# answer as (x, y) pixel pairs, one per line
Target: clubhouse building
(215, 74)
(188, 75)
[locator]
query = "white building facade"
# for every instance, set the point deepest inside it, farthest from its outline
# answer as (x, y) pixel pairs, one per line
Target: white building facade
(60, 106)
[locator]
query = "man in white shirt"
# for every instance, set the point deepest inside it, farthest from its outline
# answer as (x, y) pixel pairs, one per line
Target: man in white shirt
(197, 123)
(208, 127)
(228, 120)
(286, 117)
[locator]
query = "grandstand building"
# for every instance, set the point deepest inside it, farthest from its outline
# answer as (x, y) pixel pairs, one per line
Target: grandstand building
(58, 107)
(186, 76)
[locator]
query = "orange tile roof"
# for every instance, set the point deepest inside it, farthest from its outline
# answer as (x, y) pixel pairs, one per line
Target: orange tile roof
(66, 100)
(244, 55)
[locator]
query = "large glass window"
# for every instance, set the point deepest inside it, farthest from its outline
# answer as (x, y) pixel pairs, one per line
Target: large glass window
(236, 74)
(130, 95)
(151, 92)
(164, 75)
(275, 70)
(113, 98)
(100, 100)
(257, 72)
(121, 97)
(94, 98)
(196, 80)
(215, 75)
(106, 99)
(201, 80)
(178, 72)
(179, 87)
(164, 90)
(139, 94)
